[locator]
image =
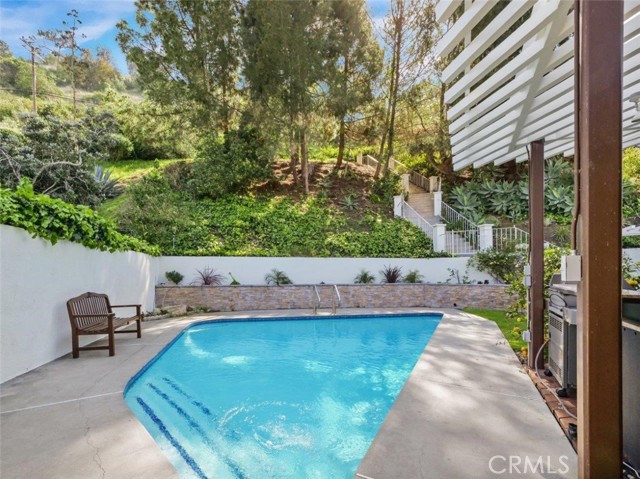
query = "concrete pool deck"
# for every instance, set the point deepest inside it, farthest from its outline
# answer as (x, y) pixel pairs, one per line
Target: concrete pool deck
(467, 401)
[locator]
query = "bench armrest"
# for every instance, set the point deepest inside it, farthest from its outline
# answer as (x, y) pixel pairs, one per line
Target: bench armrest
(93, 315)
(126, 305)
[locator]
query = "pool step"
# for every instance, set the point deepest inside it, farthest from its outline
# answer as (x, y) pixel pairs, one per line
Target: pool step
(183, 420)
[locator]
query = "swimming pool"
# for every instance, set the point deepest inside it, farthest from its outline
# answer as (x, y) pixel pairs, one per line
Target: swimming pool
(285, 398)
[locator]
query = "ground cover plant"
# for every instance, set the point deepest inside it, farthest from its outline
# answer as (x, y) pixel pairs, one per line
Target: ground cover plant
(274, 219)
(55, 220)
(511, 327)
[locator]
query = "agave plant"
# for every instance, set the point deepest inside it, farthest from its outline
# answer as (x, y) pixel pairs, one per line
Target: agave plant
(326, 182)
(523, 190)
(108, 188)
(349, 202)
(277, 277)
(558, 171)
(501, 204)
(486, 190)
(364, 277)
(559, 199)
(505, 199)
(391, 274)
(464, 200)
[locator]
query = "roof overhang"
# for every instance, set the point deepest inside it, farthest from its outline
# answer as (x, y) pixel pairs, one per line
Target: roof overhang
(498, 107)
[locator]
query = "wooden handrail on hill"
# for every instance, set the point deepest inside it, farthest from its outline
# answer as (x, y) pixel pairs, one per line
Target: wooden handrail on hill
(415, 178)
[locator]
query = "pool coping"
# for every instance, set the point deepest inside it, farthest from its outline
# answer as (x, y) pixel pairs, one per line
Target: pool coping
(68, 418)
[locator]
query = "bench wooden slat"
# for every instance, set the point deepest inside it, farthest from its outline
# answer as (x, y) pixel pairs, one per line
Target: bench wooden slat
(91, 313)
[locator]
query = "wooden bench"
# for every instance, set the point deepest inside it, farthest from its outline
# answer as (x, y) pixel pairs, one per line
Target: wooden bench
(92, 313)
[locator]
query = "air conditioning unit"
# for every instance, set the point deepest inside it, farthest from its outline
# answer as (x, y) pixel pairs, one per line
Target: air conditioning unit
(562, 338)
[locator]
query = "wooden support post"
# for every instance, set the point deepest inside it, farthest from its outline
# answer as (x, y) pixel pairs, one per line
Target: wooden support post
(536, 253)
(599, 293)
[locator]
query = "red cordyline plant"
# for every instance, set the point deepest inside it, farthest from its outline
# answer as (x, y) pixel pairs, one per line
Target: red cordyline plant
(208, 277)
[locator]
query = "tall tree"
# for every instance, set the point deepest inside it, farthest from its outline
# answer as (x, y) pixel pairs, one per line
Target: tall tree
(410, 32)
(357, 64)
(186, 52)
(65, 44)
(285, 44)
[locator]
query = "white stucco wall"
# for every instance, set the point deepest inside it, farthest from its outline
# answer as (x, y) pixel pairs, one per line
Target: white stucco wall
(251, 270)
(36, 280)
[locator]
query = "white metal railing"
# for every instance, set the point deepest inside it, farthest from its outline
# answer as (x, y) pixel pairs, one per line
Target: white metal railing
(503, 237)
(339, 303)
(335, 287)
(453, 218)
(414, 217)
(316, 305)
(462, 242)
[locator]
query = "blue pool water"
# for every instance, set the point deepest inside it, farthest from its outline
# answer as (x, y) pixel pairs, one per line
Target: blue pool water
(286, 398)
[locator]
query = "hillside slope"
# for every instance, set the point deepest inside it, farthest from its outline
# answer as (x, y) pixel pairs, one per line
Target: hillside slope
(345, 214)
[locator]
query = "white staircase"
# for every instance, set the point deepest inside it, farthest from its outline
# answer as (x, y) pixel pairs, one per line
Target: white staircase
(423, 204)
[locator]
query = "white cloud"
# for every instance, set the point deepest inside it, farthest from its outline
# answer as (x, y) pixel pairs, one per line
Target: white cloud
(93, 31)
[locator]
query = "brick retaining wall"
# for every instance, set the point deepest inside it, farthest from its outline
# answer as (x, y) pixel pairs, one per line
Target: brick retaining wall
(246, 298)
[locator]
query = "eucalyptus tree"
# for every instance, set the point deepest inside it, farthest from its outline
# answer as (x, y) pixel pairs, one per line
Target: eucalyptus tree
(410, 33)
(357, 63)
(287, 52)
(187, 53)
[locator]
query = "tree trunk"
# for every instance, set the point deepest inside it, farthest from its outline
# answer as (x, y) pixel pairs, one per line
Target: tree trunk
(444, 145)
(225, 111)
(293, 156)
(393, 99)
(305, 158)
(341, 135)
(383, 141)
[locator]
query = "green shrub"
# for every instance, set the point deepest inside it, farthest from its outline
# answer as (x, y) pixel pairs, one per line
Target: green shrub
(385, 238)
(122, 148)
(519, 290)
(384, 188)
(155, 131)
(364, 277)
(174, 277)
(58, 156)
(277, 278)
(631, 241)
(502, 264)
(155, 212)
(413, 276)
(55, 220)
(631, 164)
(231, 165)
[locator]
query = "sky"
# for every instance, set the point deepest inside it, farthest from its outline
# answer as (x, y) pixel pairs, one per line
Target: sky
(99, 17)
